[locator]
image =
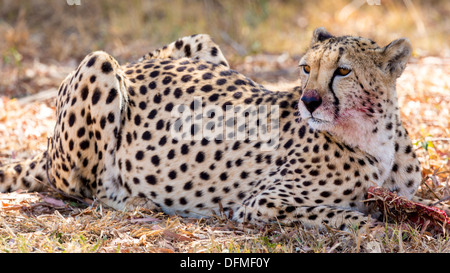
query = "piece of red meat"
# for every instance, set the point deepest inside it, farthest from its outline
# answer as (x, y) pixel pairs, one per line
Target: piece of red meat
(401, 209)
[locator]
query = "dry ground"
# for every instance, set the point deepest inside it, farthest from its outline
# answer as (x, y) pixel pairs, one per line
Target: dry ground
(43, 41)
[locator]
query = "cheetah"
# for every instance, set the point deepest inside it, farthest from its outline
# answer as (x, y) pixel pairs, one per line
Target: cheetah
(331, 138)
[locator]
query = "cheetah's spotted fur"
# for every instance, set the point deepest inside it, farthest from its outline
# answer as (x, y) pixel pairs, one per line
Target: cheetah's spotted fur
(340, 133)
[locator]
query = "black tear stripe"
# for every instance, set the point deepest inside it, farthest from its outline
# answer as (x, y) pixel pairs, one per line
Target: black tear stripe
(330, 85)
(336, 99)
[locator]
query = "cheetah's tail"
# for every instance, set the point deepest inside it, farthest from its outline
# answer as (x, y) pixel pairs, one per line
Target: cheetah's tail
(28, 175)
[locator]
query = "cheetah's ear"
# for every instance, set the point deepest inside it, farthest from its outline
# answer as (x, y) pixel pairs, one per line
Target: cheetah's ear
(320, 34)
(395, 56)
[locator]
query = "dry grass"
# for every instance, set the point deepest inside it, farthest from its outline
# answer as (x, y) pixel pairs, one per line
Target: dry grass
(43, 42)
(33, 225)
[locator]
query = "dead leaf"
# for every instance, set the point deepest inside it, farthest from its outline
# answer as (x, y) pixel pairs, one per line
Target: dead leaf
(172, 235)
(54, 202)
(175, 236)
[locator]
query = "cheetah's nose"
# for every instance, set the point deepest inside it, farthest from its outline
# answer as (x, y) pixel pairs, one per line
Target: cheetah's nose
(312, 100)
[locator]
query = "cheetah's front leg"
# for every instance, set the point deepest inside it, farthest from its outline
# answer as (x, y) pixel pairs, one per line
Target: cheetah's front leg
(264, 208)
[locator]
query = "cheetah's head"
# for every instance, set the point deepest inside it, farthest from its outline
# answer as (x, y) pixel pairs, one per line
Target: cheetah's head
(349, 82)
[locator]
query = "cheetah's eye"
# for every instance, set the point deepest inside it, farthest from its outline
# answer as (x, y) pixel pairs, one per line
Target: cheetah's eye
(342, 71)
(306, 69)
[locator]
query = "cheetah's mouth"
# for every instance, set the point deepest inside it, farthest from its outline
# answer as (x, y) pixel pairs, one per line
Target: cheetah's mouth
(317, 120)
(317, 123)
(322, 118)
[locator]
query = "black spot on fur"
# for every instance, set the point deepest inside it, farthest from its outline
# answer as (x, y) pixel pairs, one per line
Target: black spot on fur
(214, 51)
(72, 119)
(207, 88)
(96, 96)
(179, 44)
(107, 67)
(151, 179)
(91, 61)
(111, 96)
(84, 93)
(187, 50)
(18, 168)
